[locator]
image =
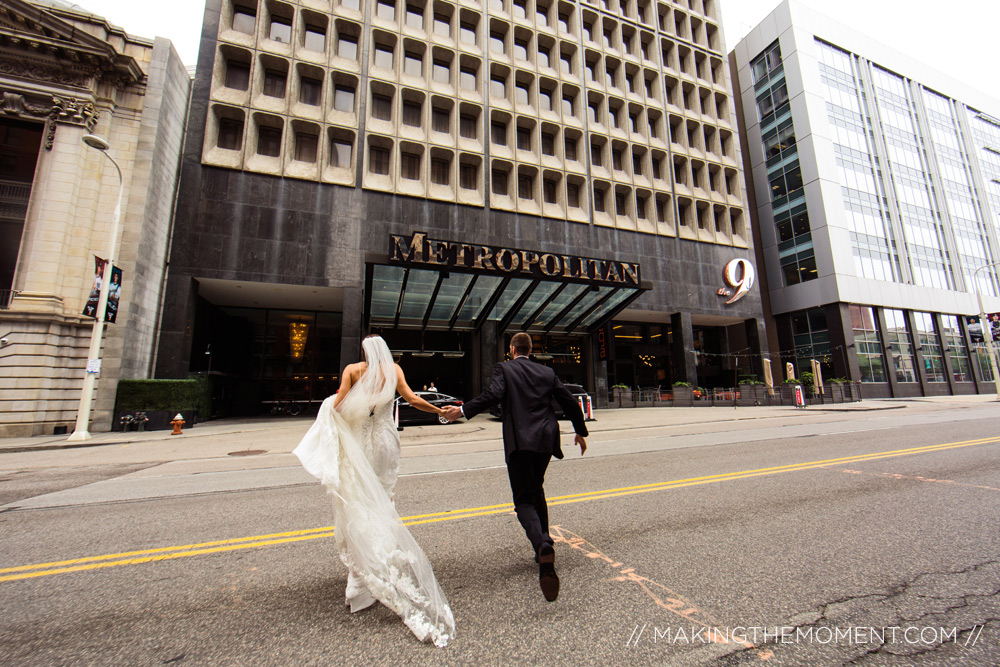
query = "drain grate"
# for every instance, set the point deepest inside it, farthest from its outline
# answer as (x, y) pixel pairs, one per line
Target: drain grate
(248, 452)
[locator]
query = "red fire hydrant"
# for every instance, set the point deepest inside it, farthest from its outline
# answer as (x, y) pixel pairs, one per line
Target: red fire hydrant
(177, 422)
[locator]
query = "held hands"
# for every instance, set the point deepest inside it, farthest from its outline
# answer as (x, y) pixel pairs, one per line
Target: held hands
(452, 412)
(580, 440)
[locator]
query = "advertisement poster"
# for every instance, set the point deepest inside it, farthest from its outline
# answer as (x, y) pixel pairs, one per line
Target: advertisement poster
(114, 293)
(976, 331)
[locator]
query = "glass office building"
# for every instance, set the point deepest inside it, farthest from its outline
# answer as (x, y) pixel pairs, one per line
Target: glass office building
(875, 195)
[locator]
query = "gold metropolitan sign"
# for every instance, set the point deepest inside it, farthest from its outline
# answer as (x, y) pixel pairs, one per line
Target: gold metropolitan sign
(417, 249)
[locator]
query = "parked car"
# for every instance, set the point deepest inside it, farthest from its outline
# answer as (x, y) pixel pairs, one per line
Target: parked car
(410, 415)
(577, 390)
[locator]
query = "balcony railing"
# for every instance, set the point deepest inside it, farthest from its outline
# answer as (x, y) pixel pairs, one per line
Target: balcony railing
(14, 197)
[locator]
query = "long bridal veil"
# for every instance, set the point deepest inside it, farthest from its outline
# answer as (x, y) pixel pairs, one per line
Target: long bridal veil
(372, 540)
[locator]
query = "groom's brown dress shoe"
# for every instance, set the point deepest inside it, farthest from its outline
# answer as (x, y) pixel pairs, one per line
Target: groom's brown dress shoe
(547, 577)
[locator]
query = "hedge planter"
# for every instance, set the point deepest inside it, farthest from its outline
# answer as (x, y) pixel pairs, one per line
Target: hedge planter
(752, 394)
(621, 398)
(683, 397)
(788, 394)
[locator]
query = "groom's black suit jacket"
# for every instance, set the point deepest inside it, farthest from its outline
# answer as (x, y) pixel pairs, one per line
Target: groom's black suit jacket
(525, 391)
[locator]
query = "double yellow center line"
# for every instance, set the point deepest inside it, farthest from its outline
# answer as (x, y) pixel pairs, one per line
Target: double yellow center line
(202, 548)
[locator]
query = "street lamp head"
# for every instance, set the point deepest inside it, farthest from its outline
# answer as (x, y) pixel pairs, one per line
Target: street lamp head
(95, 141)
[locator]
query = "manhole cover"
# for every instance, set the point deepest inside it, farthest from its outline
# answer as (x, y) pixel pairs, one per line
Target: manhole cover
(249, 452)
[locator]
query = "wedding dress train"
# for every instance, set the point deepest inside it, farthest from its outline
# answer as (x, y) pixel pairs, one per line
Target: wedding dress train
(353, 450)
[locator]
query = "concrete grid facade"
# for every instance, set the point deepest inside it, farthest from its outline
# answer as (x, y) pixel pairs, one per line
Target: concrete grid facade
(619, 114)
(876, 199)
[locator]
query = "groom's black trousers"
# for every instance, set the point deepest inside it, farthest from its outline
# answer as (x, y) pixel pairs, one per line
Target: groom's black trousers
(526, 471)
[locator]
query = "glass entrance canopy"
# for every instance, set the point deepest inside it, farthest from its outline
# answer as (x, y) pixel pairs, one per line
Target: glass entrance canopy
(417, 298)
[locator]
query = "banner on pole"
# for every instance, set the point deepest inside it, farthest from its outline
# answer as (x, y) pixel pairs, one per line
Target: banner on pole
(114, 292)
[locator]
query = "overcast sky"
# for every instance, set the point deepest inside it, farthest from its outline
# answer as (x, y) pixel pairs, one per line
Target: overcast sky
(960, 43)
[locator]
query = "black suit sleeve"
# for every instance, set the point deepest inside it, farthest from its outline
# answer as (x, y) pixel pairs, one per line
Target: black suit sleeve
(570, 407)
(493, 395)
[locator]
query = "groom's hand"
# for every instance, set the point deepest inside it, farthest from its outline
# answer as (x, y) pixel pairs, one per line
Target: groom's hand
(452, 412)
(580, 440)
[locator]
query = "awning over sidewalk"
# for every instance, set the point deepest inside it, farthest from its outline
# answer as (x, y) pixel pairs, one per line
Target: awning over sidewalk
(419, 298)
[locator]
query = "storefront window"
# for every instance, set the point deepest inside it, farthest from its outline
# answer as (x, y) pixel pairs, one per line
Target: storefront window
(812, 341)
(266, 357)
(958, 352)
(867, 345)
(900, 346)
(642, 354)
(930, 347)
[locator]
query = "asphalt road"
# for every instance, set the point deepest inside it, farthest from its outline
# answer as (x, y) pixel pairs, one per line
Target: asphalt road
(862, 539)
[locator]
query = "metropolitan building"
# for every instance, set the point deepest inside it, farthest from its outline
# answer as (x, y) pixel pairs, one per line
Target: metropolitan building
(876, 196)
(448, 174)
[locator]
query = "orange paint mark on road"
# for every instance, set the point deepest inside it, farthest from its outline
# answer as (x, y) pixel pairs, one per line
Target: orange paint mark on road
(664, 597)
(918, 478)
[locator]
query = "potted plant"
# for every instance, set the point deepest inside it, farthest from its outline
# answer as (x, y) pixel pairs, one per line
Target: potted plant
(751, 392)
(837, 388)
(683, 394)
(809, 383)
(621, 394)
(788, 391)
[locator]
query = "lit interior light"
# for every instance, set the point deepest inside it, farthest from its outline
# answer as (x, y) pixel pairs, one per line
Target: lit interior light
(297, 334)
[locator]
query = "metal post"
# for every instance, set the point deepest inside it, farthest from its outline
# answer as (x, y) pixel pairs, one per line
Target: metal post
(80, 432)
(986, 329)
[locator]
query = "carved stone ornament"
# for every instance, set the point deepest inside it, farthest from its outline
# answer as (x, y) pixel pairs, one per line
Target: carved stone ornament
(15, 104)
(37, 72)
(74, 112)
(18, 105)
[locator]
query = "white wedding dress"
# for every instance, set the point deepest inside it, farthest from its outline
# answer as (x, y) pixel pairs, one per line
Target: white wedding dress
(353, 450)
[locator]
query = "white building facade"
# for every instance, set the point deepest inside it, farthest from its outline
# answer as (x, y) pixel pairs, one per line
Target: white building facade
(65, 73)
(876, 196)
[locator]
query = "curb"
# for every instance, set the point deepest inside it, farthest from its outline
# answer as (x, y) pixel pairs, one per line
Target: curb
(22, 449)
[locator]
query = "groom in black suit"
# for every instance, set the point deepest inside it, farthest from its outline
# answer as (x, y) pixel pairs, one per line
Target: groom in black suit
(525, 390)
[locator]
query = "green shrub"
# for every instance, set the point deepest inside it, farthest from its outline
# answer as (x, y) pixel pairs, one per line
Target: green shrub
(620, 386)
(808, 381)
(682, 384)
(179, 395)
(793, 381)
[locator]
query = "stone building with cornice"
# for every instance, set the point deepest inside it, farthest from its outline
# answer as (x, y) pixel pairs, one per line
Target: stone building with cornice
(64, 73)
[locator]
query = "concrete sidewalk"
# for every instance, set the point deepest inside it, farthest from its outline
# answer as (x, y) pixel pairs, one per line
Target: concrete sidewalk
(278, 429)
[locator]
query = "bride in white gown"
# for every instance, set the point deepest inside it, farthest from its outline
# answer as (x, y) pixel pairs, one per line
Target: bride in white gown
(353, 448)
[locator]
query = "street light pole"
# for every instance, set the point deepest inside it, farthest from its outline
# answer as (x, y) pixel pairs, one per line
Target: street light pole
(986, 328)
(80, 432)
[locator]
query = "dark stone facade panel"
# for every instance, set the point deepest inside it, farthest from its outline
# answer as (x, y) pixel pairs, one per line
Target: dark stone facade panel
(251, 227)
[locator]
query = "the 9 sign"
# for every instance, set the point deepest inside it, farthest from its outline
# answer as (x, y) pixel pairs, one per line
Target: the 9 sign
(739, 275)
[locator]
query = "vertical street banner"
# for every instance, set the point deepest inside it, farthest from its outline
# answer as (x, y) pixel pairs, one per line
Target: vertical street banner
(114, 292)
(976, 329)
